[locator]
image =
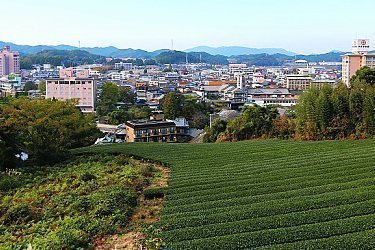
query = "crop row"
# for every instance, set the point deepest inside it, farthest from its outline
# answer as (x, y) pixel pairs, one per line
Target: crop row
(252, 190)
(278, 154)
(245, 199)
(267, 171)
(272, 222)
(357, 240)
(229, 164)
(281, 235)
(323, 175)
(267, 208)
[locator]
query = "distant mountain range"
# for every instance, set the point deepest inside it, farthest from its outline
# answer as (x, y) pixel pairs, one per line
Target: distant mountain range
(112, 51)
(101, 51)
(237, 50)
(71, 55)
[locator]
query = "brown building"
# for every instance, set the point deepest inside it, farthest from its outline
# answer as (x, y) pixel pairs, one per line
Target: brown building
(155, 131)
(298, 82)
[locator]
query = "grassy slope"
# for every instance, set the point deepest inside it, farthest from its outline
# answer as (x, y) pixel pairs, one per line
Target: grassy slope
(265, 193)
(70, 205)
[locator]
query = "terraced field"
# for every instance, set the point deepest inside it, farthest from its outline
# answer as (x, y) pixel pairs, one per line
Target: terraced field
(265, 194)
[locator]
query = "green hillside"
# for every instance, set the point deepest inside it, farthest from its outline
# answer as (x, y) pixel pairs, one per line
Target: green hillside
(265, 194)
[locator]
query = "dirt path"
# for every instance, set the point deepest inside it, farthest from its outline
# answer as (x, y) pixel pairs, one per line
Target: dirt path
(148, 211)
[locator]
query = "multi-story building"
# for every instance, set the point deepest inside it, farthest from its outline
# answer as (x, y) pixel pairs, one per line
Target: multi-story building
(9, 62)
(124, 66)
(241, 68)
(74, 72)
(298, 82)
(154, 131)
(82, 89)
(359, 58)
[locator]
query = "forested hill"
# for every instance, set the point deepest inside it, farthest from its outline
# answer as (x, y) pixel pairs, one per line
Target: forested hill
(257, 59)
(60, 57)
(77, 57)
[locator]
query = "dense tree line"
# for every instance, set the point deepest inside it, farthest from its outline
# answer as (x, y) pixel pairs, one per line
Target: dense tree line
(44, 129)
(60, 57)
(329, 113)
(175, 57)
(116, 105)
(176, 105)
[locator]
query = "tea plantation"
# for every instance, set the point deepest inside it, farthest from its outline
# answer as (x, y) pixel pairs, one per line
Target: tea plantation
(265, 194)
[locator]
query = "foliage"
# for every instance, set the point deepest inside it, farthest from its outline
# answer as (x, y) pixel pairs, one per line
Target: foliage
(366, 75)
(30, 86)
(45, 129)
(110, 95)
(7, 156)
(152, 193)
(42, 87)
(172, 105)
(336, 113)
(211, 134)
(255, 122)
(176, 105)
(176, 57)
(60, 57)
(69, 205)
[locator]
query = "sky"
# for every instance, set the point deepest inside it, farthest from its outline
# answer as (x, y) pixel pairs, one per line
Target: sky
(302, 26)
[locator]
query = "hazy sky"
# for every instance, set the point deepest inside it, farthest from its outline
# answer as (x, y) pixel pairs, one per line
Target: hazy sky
(305, 26)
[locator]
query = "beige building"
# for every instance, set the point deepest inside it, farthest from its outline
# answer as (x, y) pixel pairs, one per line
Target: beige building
(298, 82)
(359, 58)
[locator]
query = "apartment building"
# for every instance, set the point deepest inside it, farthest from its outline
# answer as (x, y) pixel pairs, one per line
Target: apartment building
(151, 131)
(82, 89)
(9, 62)
(298, 82)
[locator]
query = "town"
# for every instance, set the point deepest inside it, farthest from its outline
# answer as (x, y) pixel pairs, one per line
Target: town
(187, 125)
(226, 88)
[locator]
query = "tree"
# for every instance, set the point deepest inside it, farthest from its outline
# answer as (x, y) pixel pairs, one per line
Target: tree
(112, 94)
(365, 75)
(45, 129)
(30, 86)
(307, 116)
(324, 108)
(369, 111)
(172, 105)
(199, 120)
(119, 116)
(7, 156)
(108, 98)
(42, 87)
(212, 134)
(126, 95)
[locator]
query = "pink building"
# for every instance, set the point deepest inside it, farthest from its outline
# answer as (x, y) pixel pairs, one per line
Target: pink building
(9, 62)
(82, 89)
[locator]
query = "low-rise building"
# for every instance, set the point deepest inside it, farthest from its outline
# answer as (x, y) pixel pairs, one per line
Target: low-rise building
(150, 131)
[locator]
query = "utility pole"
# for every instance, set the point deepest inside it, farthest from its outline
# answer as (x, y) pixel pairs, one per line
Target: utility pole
(211, 119)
